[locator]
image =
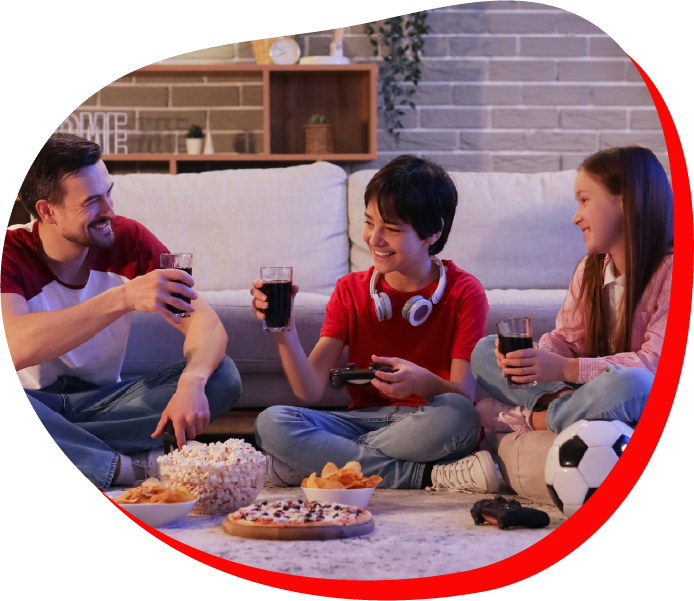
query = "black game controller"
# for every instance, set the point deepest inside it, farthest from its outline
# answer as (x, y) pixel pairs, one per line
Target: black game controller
(507, 514)
(357, 377)
(169, 436)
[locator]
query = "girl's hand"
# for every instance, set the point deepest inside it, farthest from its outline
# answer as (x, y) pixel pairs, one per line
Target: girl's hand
(409, 378)
(259, 302)
(536, 364)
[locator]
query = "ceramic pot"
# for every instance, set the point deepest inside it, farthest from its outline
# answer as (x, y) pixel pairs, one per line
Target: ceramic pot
(194, 145)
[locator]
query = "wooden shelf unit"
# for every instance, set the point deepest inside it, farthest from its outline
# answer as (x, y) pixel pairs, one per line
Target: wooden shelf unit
(291, 94)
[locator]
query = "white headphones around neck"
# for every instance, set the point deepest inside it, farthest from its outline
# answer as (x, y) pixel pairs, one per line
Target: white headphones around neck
(417, 309)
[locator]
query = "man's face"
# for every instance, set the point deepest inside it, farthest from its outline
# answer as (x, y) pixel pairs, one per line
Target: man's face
(87, 210)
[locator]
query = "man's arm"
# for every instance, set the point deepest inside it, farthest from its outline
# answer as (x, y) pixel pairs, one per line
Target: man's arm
(204, 348)
(35, 338)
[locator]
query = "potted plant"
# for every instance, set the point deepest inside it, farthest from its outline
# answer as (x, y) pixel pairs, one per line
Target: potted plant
(194, 139)
(319, 135)
(401, 38)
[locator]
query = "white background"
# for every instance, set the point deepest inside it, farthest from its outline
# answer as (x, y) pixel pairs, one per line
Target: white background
(59, 535)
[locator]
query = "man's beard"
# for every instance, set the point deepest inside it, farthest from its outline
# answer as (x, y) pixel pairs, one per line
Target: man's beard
(89, 241)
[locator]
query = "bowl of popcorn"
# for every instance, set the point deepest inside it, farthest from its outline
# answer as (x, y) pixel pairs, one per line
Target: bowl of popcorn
(225, 476)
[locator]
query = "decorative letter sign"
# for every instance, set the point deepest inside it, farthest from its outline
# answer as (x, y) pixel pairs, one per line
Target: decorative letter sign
(103, 128)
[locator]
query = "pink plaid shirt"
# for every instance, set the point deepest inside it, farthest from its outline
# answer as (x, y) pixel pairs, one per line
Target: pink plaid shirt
(650, 319)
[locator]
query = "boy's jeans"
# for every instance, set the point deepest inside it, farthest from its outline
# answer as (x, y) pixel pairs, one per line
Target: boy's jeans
(618, 394)
(394, 442)
(93, 424)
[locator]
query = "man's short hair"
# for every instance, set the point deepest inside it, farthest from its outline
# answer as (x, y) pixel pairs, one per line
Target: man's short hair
(416, 191)
(63, 154)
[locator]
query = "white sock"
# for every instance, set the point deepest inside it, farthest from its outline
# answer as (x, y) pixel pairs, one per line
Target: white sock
(126, 475)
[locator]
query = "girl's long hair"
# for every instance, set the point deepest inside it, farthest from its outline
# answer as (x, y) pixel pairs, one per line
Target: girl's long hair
(636, 174)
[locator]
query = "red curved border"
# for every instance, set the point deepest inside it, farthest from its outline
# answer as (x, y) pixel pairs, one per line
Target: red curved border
(603, 503)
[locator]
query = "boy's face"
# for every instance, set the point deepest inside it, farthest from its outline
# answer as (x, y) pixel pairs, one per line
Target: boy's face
(393, 246)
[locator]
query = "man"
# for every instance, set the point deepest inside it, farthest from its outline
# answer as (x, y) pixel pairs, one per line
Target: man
(70, 282)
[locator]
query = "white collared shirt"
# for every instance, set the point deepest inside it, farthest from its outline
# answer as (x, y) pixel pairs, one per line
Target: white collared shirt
(615, 289)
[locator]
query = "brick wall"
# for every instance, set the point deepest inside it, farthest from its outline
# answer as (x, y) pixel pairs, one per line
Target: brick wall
(507, 86)
(161, 108)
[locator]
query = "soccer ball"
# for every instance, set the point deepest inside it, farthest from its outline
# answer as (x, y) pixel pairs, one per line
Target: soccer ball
(580, 458)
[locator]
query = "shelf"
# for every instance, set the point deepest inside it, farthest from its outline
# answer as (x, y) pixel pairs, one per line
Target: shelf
(291, 94)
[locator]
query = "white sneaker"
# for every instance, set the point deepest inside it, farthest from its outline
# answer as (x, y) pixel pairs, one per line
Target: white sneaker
(145, 465)
(475, 473)
(281, 475)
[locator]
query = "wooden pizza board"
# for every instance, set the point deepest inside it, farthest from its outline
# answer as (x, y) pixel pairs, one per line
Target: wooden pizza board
(297, 532)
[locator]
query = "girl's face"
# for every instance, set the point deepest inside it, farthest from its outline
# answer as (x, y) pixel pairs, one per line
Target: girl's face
(600, 215)
(394, 246)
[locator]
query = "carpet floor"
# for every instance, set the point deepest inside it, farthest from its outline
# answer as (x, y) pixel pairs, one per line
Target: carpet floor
(417, 534)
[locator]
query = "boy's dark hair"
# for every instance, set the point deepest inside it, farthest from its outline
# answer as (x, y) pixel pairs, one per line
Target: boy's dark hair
(61, 155)
(416, 191)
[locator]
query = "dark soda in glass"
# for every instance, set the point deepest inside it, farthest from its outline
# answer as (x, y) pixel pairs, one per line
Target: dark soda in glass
(176, 310)
(279, 300)
(510, 343)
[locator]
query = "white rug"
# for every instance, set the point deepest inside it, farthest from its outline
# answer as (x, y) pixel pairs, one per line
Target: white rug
(417, 534)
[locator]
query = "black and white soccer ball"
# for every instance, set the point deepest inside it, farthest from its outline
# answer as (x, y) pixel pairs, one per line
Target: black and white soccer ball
(580, 458)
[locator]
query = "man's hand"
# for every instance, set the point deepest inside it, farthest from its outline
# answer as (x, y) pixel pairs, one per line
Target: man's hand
(188, 409)
(536, 364)
(151, 293)
(409, 378)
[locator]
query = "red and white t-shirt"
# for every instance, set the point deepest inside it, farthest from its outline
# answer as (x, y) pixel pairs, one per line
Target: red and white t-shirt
(455, 325)
(135, 252)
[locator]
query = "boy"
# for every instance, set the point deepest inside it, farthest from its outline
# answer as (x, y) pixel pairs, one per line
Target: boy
(418, 427)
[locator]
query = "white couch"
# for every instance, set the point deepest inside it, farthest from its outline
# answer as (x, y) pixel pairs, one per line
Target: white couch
(512, 231)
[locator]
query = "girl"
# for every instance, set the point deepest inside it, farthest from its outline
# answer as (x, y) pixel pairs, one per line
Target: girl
(417, 428)
(600, 361)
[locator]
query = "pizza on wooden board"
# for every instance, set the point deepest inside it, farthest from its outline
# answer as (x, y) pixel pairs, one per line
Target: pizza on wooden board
(298, 514)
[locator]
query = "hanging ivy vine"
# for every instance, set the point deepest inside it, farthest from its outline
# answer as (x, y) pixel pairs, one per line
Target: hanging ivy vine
(401, 40)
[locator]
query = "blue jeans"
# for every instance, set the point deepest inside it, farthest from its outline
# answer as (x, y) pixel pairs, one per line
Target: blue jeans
(620, 393)
(93, 424)
(394, 442)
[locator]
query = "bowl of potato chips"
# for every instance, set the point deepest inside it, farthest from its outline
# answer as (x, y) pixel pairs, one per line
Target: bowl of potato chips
(154, 504)
(346, 485)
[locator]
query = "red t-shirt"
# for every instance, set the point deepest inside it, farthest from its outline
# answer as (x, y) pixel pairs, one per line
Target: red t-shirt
(134, 252)
(455, 325)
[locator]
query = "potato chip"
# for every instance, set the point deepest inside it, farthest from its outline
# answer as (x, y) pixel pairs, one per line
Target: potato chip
(373, 481)
(348, 477)
(354, 465)
(356, 484)
(328, 470)
(152, 491)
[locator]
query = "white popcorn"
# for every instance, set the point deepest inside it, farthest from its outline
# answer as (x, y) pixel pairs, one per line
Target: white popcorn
(225, 476)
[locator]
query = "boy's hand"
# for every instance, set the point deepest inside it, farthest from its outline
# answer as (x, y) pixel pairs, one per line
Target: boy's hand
(259, 303)
(409, 378)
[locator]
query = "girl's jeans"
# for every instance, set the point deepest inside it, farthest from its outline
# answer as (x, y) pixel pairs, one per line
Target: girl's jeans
(93, 424)
(394, 442)
(618, 394)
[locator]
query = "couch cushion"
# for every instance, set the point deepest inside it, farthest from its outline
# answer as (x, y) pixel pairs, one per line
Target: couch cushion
(154, 344)
(235, 221)
(541, 306)
(511, 230)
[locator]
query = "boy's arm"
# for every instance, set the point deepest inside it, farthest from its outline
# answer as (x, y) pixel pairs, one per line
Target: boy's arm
(308, 376)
